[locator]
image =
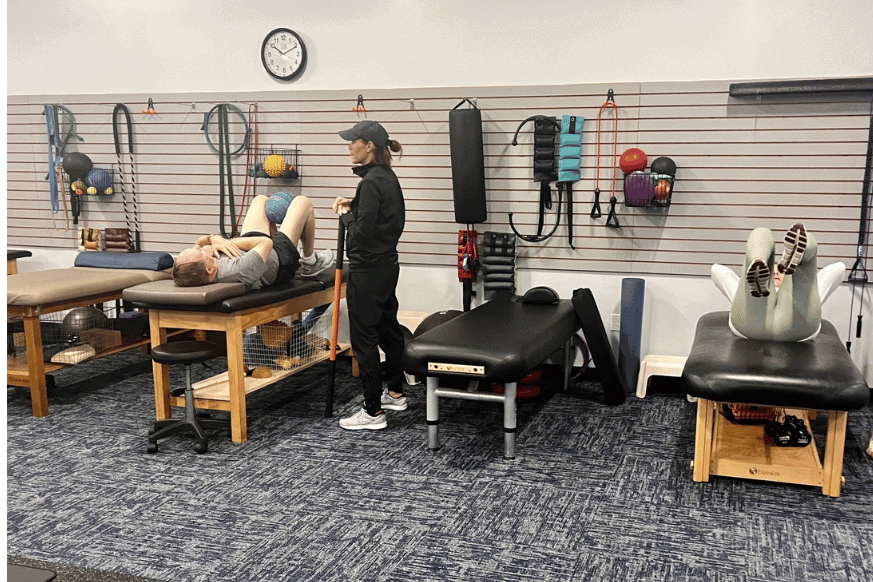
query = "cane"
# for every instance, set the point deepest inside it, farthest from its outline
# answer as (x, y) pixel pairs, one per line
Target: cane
(334, 328)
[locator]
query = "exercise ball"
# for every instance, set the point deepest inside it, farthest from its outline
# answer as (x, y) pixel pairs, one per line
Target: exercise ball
(274, 165)
(98, 178)
(277, 206)
(77, 165)
(435, 319)
(91, 190)
(82, 319)
(633, 160)
(664, 166)
(78, 187)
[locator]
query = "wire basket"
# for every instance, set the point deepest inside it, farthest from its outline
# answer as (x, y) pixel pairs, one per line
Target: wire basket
(278, 164)
(98, 182)
(645, 189)
(69, 337)
(287, 343)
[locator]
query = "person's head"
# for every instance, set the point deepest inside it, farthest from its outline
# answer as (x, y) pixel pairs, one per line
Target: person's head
(369, 142)
(194, 267)
(778, 277)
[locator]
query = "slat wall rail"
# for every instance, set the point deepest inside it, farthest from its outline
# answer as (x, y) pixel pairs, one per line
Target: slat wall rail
(742, 163)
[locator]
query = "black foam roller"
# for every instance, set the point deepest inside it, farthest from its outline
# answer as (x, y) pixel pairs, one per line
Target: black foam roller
(631, 332)
(468, 165)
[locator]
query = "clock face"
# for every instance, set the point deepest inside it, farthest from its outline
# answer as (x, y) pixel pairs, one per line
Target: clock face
(283, 54)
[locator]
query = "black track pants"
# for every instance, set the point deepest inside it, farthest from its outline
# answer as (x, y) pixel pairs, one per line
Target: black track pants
(373, 324)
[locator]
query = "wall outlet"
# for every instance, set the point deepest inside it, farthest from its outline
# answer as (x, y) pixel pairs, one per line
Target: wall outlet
(616, 322)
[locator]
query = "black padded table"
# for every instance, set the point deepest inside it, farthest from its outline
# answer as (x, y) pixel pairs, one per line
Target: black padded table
(12, 257)
(806, 376)
(225, 307)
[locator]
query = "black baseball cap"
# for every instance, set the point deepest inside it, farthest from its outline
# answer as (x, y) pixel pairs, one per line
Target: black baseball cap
(367, 130)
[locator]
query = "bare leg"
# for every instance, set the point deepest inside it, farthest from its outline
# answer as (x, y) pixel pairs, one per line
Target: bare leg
(750, 315)
(299, 224)
(256, 218)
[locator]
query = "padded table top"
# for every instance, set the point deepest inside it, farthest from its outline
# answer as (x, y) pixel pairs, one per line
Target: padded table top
(507, 337)
(816, 374)
(12, 254)
(55, 285)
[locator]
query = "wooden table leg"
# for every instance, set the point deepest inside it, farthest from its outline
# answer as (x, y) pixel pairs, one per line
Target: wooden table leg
(35, 365)
(160, 372)
(832, 468)
(703, 439)
(236, 381)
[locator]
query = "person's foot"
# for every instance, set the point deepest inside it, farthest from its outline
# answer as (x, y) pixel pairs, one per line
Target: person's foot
(391, 403)
(363, 421)
(758, 278)
(323, 261)
(795, 244)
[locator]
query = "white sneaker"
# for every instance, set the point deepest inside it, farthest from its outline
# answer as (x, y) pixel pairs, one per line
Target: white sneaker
(363, 421)
(391, 403)
(323, 261)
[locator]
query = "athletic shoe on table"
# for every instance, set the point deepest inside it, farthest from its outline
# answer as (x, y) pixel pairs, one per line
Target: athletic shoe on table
(323, 261)
(363, 421)
(391, 403)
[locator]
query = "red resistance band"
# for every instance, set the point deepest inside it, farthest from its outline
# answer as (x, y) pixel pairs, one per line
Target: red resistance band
(468, 255)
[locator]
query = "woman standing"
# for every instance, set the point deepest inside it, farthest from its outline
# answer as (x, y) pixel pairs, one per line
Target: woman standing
(374, 221)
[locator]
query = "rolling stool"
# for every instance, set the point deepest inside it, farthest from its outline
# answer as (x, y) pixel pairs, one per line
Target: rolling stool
(185, 352)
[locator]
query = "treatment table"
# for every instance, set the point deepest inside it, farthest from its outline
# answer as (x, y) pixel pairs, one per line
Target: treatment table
(227, 308)
(802, 377)
(504, 340)
(30, 295)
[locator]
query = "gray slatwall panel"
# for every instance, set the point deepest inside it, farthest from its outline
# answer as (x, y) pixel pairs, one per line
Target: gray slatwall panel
(742, 163)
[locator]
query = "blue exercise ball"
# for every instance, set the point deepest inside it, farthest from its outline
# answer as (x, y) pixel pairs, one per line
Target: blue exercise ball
(99, 178)
(277, 206)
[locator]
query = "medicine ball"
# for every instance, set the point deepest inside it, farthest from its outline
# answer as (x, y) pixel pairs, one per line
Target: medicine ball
(82, 319)
(277, 206)
(435, 319)
(664, 166)
(77, 165)
(98, 178)
(633, 160)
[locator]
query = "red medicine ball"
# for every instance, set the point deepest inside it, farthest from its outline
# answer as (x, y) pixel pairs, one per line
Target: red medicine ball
(633, 160)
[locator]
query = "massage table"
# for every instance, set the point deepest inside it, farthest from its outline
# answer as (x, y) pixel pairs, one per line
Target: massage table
(227, 308)
(30, 295)
(12, 257)
(502, 341)
(802, 377)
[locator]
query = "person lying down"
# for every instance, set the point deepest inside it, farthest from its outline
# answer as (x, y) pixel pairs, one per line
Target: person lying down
(792, 314)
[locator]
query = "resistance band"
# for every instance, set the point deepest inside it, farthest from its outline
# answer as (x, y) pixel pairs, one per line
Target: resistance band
(251, 161)
(57, 145)
(132, 231)
(224, 167)
(858, 274)
(468, 262)
(612, 219)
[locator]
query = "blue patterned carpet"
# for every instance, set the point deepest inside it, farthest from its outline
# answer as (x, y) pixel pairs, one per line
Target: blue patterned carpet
(596, 493)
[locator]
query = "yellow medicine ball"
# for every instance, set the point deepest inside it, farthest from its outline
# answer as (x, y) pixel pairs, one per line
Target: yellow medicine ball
(274, 165)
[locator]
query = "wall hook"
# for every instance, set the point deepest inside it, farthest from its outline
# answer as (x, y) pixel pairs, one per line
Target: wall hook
(151, 108)
(360, 106)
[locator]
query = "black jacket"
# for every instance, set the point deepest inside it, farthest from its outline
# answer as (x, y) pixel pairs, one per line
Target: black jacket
(376, 219)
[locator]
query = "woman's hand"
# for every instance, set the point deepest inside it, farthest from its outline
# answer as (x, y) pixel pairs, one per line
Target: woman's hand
(341, 205)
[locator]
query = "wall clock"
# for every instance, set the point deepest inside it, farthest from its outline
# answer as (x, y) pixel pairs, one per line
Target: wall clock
(283, 54)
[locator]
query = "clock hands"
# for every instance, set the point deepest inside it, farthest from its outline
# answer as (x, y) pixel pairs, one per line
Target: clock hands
(294, 46)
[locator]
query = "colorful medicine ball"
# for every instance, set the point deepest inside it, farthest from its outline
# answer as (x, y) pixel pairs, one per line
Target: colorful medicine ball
(633, 160)
(664, 166)
(277, 206)
(99, 178)
(274, 165)
(77, 165)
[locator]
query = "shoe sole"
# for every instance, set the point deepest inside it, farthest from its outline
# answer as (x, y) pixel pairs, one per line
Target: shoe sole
(317, 273)
(795, 246)
(394, 406)
(366, 426)
(757, 277)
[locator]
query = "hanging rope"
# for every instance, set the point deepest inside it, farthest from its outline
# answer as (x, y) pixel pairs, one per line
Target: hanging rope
(132, 229)
(595, 211)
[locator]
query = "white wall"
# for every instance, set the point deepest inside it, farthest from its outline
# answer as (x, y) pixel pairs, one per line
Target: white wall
(109, 46)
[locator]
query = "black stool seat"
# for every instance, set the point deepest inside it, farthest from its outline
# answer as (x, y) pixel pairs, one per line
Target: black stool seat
(185, 352)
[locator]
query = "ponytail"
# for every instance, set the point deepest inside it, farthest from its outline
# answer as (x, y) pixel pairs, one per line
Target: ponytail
(383, 155)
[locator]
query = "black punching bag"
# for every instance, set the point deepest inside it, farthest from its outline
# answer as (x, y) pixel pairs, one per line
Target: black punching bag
(468, 164)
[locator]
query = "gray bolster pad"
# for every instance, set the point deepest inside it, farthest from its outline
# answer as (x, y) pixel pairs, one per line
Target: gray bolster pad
(497, 260)
(166, 292)
(495, 269)
(499, 285)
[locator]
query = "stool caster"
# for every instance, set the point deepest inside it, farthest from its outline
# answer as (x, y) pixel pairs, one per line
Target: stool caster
(152, 447)
(201, 447)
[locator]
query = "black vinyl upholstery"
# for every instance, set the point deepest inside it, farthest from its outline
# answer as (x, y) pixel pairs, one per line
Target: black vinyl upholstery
(507, 337)
(816, 374)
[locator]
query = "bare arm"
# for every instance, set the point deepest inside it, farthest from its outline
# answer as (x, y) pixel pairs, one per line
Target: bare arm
(234, 247)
